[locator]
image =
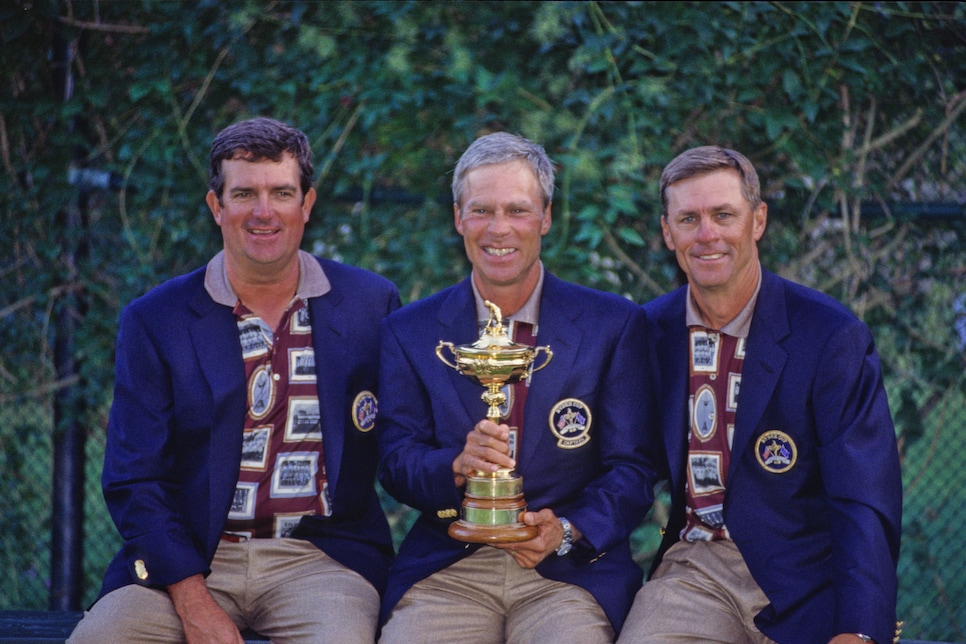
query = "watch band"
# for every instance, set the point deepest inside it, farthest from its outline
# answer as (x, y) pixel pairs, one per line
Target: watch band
(568, 538)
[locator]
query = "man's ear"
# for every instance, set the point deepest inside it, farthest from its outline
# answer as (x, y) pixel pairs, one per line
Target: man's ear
(457, 219)
(666, 232)
(214, 205)
(761, 219)
(307, 202)
(547, 220)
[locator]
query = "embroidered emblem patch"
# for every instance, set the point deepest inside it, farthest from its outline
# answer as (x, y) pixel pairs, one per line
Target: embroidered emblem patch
(776, 451)
(364, 409)
(570, 422)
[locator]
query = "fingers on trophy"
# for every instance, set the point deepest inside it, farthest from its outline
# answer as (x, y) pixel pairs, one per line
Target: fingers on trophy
(493, 504)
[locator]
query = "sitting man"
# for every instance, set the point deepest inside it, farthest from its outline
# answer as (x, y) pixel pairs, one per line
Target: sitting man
(785, 486)
(576, 434)
(240, 459)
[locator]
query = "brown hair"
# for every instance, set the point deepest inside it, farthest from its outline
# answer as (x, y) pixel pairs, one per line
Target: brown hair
(259, 139)
(706, 159)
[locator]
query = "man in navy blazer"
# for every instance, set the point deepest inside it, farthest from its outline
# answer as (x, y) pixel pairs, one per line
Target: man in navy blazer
(581, 450)
(246, 386)
(786, 498)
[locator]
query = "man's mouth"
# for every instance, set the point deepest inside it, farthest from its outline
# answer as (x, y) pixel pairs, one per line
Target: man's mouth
(262, 231)
(498, 252)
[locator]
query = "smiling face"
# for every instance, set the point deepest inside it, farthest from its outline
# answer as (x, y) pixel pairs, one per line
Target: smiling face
(262, 215)
(714, 233)
(502, 220)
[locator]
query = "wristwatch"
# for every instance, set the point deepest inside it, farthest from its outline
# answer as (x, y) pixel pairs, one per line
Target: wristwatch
(568, 538)
(864, 637)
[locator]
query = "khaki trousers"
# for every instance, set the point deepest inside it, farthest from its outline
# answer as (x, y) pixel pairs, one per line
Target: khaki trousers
(701, 592)
(487, 598)
(285, 589)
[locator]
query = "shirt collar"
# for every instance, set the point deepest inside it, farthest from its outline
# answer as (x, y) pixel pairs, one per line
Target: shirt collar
(313, 281)
(739, 326)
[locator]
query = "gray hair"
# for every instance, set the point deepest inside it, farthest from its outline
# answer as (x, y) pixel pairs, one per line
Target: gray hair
(503, 147)
(706, 159)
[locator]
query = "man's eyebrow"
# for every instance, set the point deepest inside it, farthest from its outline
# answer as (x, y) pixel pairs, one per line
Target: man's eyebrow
(282, 186)
(727, 206)
(479, 203)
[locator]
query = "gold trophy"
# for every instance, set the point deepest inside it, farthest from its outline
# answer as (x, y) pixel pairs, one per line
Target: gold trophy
(493, 503)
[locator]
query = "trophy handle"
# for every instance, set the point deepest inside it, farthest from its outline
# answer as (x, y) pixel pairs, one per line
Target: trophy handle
(548, 356)
(439, 353)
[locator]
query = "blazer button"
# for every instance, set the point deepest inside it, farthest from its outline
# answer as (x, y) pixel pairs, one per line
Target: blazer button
(140, 570)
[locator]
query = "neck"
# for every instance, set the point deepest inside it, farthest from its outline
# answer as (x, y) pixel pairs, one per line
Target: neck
(719, 308)
(266, 298)
(716, 312)
(510, 299)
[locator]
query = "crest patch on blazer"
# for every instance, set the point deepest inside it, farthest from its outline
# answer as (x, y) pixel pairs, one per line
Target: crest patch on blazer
(364, 410)
(776, 451)
(570, 422)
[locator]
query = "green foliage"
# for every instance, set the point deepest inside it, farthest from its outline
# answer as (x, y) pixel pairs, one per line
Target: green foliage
(841, 105)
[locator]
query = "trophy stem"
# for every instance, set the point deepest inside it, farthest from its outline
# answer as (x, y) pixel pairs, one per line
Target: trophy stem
(494, 397)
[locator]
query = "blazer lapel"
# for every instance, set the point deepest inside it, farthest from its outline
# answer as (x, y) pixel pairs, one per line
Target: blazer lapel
(557, 330)
(327, 341)
(671, 349)
(764, 361)
(214, 336)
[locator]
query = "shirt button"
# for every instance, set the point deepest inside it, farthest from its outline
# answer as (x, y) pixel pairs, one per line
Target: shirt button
(276, 377)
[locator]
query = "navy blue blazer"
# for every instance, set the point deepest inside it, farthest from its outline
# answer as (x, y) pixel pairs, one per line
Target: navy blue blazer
(175, 432)
(427, 408)
(821, 538)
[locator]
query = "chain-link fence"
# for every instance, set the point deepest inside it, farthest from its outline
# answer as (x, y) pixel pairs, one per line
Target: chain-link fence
(923, 367)
(932, 570)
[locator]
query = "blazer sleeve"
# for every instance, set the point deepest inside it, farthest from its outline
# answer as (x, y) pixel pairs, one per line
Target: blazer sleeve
(416, 466)
(141, 469)
(860, 464)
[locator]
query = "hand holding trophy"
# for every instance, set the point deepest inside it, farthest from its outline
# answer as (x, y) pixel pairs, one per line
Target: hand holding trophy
(493, 502)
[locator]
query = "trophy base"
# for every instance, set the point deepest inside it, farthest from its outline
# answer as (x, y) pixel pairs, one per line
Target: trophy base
(473, 533)
(492, 510)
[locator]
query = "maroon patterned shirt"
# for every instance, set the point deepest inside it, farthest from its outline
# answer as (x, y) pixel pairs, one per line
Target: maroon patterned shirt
(716, 360)
(282, 475)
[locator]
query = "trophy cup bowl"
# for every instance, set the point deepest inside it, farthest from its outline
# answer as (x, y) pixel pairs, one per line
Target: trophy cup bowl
(493, 503)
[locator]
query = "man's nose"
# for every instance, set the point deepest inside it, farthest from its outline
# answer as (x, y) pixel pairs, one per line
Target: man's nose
(707, 230)
(499, 222)
(263, 206)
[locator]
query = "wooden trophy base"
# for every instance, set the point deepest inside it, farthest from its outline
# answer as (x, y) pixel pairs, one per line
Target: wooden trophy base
(471, 533)
(492, 510)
